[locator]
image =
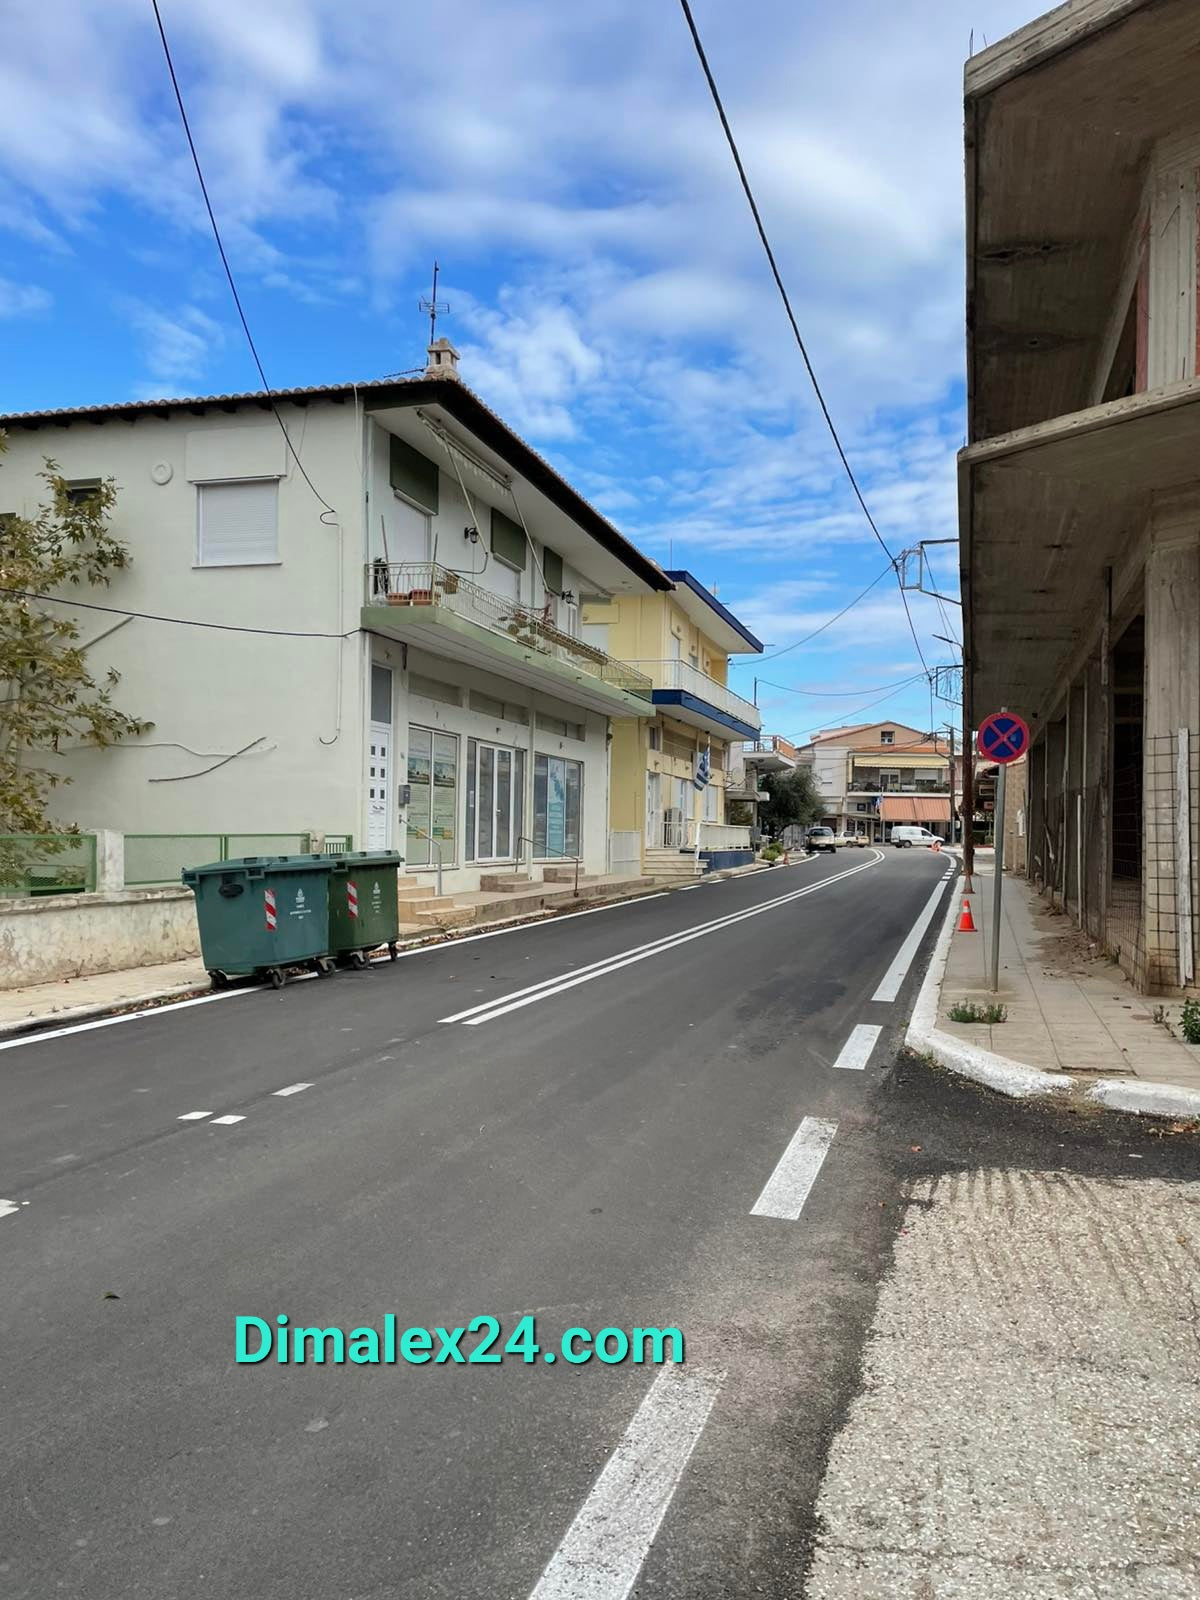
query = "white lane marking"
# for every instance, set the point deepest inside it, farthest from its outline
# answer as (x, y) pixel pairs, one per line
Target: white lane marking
(8, 1207)
(292, 1088)
(488, 1010)
(856, 1051)
(788, 1186)
(688, 887)
(225, 1121)
(527, 927)
(603, 1550)
(898, 971)
(193, 1116)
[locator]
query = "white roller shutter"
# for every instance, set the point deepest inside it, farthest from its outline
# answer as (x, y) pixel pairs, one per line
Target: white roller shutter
(238, 523)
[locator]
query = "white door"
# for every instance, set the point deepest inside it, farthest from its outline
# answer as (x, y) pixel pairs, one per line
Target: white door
(494, 840)
(379, 760)
(653, 809)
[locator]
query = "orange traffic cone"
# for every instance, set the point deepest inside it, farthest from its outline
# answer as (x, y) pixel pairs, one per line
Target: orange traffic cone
(966, 923)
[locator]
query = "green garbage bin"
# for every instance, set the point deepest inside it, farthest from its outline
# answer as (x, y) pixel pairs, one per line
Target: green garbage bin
(262, 914)
(363, 909)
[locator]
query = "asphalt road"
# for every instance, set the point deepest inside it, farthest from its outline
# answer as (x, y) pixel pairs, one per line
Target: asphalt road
(610, 1132)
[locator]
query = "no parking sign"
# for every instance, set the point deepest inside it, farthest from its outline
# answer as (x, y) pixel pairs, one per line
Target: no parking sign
(1002, 737)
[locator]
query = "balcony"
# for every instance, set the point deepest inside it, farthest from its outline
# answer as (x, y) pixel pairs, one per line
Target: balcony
(745, 787)
(771, 754)
(442, 611)
(695, 698)
(865, 786)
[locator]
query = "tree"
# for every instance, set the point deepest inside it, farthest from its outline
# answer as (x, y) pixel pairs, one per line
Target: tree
(793, 798)
(47, 692)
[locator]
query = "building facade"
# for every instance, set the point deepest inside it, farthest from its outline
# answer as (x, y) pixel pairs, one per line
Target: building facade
(874, 775)
(401, 660)
(682, 641)
(1080, 483)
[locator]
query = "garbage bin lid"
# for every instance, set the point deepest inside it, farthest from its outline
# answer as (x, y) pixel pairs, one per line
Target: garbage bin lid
(258, 864)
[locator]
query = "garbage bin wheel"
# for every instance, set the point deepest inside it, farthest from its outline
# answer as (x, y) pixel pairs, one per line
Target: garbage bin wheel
(392, 951)
(325, 965)
(358, 958)
(277, 976)
(219, 980)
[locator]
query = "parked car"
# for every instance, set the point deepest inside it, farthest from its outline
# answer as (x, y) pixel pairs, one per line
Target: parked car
(820, 839)
(904, 837)
(850, 841)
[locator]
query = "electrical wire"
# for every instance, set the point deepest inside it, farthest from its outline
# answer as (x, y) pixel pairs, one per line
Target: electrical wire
(181, 622)
(808, 637)
(183, 116)
(839, 694)
(791, 316)
(870, 705)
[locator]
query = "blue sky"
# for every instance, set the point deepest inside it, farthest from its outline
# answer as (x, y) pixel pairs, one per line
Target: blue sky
(605, 285)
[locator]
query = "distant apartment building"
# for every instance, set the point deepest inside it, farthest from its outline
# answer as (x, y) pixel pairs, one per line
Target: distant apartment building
(876, 774)
(1080, 483)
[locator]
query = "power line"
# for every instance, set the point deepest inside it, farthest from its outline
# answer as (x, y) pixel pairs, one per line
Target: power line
(183, 116)
(791, 315)
(872, 703)
(179, 622)
(808, 637)
(839, 694)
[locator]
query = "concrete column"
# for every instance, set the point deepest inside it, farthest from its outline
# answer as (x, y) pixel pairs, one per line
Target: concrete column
(1172, 702)
(1096, 783)
(1074, 805)
(1053, 841)
(1036, 806)
(110, 860)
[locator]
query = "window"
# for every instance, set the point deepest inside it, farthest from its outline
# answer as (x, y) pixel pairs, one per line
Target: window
(565, 730)
(433, 807)
(495, 801)
(652, 734)
(237, 523)
(508, 541)
(381, 694)
(81, 490)
(552, 571)
(557, 806)
(888, 736)
(412, 474)
(488, 706)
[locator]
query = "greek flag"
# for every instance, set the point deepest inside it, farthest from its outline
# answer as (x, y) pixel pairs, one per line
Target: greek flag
(703, 770)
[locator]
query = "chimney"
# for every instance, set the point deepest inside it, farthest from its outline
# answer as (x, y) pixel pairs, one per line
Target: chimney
(443, 360)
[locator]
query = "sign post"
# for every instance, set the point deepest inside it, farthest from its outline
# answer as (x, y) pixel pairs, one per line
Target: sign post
(1002, 737)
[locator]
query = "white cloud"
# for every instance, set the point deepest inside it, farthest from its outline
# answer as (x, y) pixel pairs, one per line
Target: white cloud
(178, 347)
(22, 299)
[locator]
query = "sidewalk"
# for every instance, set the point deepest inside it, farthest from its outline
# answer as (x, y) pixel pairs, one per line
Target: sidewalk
(1071, 1015)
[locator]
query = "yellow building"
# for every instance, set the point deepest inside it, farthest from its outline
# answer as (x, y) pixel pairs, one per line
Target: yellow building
(682, 641)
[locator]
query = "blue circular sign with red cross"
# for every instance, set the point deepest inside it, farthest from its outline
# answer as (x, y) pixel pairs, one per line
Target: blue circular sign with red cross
(1002, 737)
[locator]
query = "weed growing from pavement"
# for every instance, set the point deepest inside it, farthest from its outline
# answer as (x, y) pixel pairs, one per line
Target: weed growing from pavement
(968, 1011)
(1189, 1021)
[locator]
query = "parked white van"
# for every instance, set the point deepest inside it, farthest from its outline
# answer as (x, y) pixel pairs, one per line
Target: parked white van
(904, 837)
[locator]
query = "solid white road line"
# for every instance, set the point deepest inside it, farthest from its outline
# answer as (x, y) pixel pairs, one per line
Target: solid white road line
(856, 1051)
(604, 1548)
(193, 1116)
(487, 1010)
(788, 1186)
(292, 1088)
(898, 971)
(225, 1121)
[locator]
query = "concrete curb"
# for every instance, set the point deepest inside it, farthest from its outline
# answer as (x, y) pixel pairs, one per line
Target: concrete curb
(1017, 1079)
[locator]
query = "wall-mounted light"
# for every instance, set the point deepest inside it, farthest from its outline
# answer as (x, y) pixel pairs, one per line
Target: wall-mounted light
(472, 534)
(568, 597)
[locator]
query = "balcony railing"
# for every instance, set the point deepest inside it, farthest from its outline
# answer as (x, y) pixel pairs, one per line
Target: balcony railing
(862, 786)
(772, 745)
(683, 676)
(417, 584)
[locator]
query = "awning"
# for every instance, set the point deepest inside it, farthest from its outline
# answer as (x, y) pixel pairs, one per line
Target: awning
(914, 808)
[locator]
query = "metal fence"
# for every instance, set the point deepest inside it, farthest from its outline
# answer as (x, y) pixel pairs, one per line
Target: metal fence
(153, 859)
(47, 863)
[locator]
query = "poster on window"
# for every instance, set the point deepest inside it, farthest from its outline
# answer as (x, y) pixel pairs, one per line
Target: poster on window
(444, 799)
(556, 809)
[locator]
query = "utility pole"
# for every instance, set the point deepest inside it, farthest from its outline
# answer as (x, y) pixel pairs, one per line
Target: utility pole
(968, 799)
(950, 728)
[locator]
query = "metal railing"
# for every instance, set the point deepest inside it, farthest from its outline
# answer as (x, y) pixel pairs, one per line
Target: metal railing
(415, 584)
(771, 745)
(412, 828)
(560, 855)
(863, 786)
(153, 859)
(682, 675)
(47, 863)
(716, 835)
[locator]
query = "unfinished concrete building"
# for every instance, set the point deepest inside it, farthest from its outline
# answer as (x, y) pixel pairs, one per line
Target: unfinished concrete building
(1080, 483)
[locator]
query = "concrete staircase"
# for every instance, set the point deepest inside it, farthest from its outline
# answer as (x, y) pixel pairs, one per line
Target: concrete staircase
(673, 867)
(504, 895)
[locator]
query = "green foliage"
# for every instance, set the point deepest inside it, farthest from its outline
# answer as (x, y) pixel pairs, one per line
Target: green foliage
(772, 852)
(793, 798)
(968, 1011)
(47, 692)
(1189, 1021)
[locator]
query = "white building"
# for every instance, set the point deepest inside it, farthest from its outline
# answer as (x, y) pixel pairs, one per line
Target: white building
(424, 631)
(876, 774)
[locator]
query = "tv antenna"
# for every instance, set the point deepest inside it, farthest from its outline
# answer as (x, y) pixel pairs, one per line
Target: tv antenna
(433, 305)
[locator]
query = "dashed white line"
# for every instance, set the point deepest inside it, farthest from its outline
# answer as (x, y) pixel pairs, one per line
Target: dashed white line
(292, 1088)
(856, 1051)
(603, 1550)
(788, 1186)
(898, 971)
(225, 1121)
(193, 1116)
(8, 1207)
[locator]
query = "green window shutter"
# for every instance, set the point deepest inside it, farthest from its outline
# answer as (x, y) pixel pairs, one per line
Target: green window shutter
(508, 540)
(552, 569)
(414, 475)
